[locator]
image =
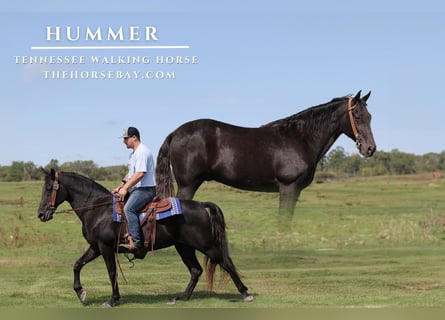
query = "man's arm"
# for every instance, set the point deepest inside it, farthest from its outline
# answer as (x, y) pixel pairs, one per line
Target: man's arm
(123, 190)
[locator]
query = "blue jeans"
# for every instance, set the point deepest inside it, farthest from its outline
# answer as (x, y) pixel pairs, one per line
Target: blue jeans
(136, 200)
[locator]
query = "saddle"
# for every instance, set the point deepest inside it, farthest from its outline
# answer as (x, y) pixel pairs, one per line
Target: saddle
(152, 208)
(149, 220)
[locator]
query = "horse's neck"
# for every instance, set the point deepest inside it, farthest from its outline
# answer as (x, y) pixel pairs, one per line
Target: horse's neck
(327, 132)
(81, 195)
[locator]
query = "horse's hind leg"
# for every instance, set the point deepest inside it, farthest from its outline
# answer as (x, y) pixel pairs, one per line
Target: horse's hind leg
(187, 191)
(188, 256)
(230, 269)
(228, 266)
(89, 255)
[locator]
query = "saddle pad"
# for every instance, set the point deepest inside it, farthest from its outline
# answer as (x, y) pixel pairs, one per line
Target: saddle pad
(174, 210)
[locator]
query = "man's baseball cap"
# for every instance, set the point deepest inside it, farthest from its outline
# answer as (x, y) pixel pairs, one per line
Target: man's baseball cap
(131, 131)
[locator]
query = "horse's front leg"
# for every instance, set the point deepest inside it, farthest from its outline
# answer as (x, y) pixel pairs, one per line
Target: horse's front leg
(110, 261)
(89, 255)
(289, 194)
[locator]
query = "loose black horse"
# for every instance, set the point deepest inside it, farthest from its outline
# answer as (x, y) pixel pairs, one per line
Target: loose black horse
(195, 229)
(279, 156)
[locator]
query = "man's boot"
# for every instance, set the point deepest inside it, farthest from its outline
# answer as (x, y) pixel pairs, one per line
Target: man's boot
(129, 245)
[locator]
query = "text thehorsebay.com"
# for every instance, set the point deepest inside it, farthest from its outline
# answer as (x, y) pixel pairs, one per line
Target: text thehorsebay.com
(67, 65)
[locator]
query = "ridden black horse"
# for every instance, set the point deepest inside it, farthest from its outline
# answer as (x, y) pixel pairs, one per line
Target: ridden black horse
(279, 156)
(195, 229)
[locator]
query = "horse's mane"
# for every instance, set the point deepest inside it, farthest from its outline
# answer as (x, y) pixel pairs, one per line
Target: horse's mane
(92, 183)
(309, 117)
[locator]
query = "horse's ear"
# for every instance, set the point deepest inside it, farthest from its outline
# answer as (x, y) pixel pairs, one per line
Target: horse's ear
(43, 170)
(365, 98)
(356, 99)
(53, 174)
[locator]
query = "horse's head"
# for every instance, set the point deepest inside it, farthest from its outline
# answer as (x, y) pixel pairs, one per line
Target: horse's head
(53, 194)
(359, 125)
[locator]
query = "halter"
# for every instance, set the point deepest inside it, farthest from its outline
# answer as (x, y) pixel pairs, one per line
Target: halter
(351, 120)
(52, 204)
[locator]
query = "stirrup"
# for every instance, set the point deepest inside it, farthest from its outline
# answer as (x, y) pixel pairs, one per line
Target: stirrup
(130, 245)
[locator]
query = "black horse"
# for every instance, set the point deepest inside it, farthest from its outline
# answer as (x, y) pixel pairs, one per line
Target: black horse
(279, 156)
(195, 229)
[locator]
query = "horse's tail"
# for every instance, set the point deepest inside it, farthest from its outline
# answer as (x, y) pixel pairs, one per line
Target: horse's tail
(219, 234)
(164, 178)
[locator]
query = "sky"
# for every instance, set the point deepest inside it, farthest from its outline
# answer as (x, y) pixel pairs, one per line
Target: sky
(248, 64)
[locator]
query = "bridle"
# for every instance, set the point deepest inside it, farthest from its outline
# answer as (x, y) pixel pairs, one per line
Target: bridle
(351, 107)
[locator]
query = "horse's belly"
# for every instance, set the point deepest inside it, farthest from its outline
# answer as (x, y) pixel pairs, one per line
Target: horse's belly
(250, 184)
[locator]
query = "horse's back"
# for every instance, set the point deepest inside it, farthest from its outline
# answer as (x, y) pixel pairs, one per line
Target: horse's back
(208, 137)
(207, 149)
(209, 126)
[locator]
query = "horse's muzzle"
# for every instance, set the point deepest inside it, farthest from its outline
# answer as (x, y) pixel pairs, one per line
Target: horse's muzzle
(367, 151)
(370, 151)
(46, 216)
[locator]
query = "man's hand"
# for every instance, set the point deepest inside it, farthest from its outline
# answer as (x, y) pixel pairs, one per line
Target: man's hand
(122, 192)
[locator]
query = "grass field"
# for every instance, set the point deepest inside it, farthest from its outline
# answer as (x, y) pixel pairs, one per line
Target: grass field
(353, 243)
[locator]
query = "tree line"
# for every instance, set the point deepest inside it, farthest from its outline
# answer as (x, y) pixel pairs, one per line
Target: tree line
(27, 171)
(395, 162)
(336, 163)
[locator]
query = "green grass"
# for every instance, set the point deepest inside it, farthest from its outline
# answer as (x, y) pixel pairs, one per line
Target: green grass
(361, 243)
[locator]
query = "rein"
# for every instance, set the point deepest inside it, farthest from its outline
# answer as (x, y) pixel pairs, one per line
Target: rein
(52, 204)
(351, 120)
(83, 208)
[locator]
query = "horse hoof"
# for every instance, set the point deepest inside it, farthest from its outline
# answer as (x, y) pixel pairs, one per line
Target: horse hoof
(248, 298)
(171, 301)
(82, 295)
(110, 304)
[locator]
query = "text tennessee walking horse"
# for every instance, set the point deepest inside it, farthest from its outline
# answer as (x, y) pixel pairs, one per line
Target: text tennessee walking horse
(279, 156)
(195, 229)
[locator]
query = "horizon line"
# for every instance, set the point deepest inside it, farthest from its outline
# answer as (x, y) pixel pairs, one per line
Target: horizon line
(106, 47)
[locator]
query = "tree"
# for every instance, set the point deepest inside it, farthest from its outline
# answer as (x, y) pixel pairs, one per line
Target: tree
(16, 171)
(381, 163)
(402, 163)
(336, 159)
(53, 164)
(353, 164)
(430, 162)
(83, 167)
(31, 172)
